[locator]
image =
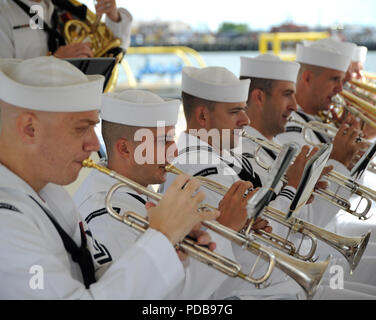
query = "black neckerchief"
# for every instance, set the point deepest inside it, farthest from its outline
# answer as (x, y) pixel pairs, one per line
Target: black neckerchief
(246, 172)
(55, 39)
(136, 196)
(81, 255)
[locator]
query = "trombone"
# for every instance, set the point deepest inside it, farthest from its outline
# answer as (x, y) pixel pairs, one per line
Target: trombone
(352, 248)
(307, 275)
(366, 194)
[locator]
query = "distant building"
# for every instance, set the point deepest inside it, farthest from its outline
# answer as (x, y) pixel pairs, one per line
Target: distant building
(154, 33)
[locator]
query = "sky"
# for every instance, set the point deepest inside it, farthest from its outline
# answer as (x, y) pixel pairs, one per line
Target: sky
(257, 14)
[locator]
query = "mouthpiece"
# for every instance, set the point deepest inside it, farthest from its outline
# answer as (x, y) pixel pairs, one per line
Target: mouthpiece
(88, 163)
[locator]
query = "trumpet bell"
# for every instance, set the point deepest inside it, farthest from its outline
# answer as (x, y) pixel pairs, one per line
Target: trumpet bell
(355, 251)
(307, 275)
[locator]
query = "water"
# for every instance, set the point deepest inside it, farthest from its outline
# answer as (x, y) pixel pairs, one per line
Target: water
(228, 59)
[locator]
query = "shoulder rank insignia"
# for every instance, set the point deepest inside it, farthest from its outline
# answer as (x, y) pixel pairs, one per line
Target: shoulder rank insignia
(294, 129)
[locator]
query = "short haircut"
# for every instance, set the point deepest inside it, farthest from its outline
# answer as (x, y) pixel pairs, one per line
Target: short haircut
(265, 85)
(190, 103)
(316, 70)
(112, 132)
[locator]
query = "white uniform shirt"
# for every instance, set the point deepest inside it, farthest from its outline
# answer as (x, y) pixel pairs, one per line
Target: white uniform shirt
(200, 161)
(148, 270)
(343, 222)
(200, 280)
(24, 42)
(360, 285)
(318, 213)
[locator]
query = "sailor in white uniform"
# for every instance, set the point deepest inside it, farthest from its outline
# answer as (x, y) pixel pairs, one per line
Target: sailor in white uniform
(45, 135)
(355, 72)
(197, 156)
(358, 60)
(127, 117)
(212, 99)
(20, 39)
(323, 67)
(271, 101)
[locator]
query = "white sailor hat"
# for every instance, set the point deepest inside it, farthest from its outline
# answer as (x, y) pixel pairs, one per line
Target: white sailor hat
(139, 108)
(269, 66)
(327, 53)
(215, 84)
(360, 54)
(49, 84)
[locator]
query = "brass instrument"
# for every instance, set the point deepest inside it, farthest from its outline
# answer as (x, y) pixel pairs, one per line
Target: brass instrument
(366, 194)
(352, 248)
(103, 42)
(330, 131)
(345, 104)
(358, 98)
(368, 86)
(307, 275)
(269, 238)
(369, 77)
(362, 96)
(322, 128)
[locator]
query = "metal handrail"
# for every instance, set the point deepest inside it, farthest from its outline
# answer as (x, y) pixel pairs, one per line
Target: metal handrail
(180, 51)
(277, 38)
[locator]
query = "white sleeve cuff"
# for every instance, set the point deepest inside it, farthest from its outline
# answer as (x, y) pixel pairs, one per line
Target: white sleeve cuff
(288, 192)
(121, 29)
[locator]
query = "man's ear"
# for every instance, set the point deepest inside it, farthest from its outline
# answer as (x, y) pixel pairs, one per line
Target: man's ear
(123, 148)
(258, 97)
(307, 77)
(27, 125)
(201, 115)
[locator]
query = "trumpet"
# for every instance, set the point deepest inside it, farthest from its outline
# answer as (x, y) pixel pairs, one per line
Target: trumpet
(271, 239)
(343, 102)
(369, 77)
(307, 275)
(368, 86)
(357, 98)
(361, 95)
(330, 131)
(367, 195)
(352, 248)
(322, 128)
